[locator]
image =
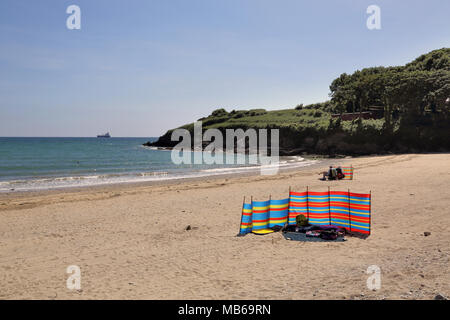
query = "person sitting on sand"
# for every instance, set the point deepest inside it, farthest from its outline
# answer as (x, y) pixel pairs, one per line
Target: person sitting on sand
(329, 174)
(339, 173)
(333, 175)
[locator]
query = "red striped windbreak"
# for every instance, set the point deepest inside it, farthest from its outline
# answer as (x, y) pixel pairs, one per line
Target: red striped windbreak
(341, 208)
(345, 209)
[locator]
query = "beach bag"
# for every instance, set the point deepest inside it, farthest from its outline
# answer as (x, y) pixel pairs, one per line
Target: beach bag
(328, 234)
(307, 228)
(290, 228)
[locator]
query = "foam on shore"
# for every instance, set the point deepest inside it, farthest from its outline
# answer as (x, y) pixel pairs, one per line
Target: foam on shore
(48, 183)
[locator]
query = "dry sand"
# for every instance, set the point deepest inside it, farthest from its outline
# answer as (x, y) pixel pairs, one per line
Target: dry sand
(131, 243)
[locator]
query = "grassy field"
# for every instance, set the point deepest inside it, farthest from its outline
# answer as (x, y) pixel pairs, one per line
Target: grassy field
(260, 118)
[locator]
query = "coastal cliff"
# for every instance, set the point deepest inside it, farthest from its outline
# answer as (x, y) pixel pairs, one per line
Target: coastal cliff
(374, 110)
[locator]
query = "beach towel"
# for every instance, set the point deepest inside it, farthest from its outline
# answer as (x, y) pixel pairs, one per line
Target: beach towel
(297, 236)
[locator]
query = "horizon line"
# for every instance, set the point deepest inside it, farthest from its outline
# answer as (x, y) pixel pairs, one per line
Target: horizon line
(74, 137)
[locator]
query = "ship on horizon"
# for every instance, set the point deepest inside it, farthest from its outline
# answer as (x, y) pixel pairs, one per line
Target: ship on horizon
(106, 135)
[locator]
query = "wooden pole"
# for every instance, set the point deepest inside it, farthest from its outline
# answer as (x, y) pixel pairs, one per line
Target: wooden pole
(349, 217)
(289, 207)
(329, 207)
(370, 211)
(242, 216)
(251, 202)
(307, 203)
(268, 212)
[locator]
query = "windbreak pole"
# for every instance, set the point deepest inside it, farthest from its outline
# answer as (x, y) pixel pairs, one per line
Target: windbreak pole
(349, 216)
(242, 216)
(370, 212)
(307, 203)
(329, 207)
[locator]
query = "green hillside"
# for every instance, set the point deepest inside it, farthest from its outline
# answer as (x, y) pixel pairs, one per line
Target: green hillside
(260, 118)
(411, 103)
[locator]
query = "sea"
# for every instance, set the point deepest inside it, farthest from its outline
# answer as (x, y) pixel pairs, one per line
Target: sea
(33, 164)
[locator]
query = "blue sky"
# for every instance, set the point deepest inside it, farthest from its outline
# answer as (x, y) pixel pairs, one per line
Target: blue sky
(140, 67)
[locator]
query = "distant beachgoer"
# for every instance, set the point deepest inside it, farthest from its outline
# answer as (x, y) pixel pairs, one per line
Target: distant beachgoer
(340, 174)
(333, 174)
(328, 173)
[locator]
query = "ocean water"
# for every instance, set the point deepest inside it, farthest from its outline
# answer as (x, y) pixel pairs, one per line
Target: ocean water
(48, 163)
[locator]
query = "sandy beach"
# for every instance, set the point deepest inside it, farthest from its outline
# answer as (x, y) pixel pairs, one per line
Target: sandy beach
(130, 241)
